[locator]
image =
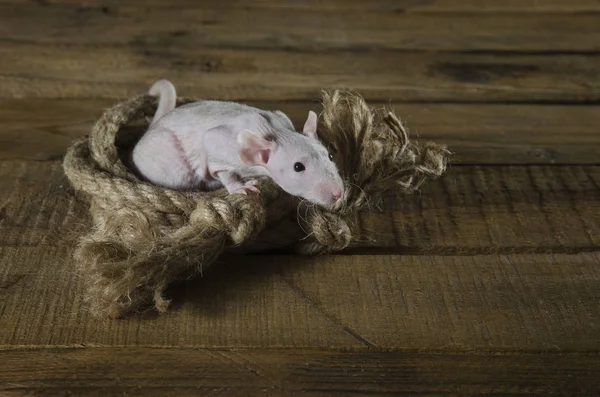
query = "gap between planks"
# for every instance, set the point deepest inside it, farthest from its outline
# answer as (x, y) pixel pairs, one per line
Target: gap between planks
(406, 6)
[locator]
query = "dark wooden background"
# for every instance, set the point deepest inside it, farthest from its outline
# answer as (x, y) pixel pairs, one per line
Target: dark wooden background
(487, 282)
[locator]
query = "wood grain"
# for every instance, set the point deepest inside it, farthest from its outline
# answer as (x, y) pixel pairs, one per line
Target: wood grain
(98, 70)
(42, 129)
(492, 209)
(513, 303)
(498, 258)
(291, 372)
(320, 29)
(472, 210)
(486, 282)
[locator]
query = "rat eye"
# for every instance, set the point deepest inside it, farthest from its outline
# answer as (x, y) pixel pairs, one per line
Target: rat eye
(299, 167)
(330, 156)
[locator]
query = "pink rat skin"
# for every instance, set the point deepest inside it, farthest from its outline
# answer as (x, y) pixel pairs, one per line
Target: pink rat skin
(211, 144)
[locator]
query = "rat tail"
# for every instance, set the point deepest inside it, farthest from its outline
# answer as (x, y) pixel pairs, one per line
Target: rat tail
(167, 95)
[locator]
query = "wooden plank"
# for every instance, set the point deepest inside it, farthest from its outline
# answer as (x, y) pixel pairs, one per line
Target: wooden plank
(503, 302)
(291, 372)
(509, 303)
(408, 6)
(312, 29)
(450, 302)
(42, 129)
(493, 210)
(478, 289)
(471, 210)
(68, 71)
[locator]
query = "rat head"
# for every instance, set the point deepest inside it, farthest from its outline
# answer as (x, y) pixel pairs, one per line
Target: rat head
(298, 163)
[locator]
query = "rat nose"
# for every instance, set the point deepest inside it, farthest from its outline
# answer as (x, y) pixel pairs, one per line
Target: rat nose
(336, 194)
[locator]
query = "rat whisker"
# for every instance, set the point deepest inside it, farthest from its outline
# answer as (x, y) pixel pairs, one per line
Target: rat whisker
(307, 236)
(309, 207)
(299, 217)
(362, 191)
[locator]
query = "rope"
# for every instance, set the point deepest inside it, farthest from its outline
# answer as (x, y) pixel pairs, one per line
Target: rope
(144, 237)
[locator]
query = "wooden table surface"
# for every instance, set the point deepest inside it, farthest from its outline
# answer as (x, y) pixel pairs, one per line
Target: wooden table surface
(487, 282)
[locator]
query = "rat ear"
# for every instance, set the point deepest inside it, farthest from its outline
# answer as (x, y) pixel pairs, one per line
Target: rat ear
(253, 149)
(310, 126)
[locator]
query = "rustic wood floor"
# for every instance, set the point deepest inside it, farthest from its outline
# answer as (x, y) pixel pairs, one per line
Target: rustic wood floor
(486, 283)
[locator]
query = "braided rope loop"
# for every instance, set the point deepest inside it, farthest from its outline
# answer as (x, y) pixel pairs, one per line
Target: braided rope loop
(144, 237)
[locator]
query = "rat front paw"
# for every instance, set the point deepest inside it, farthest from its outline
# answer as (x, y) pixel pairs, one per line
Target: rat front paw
(247, 187)
(251, 184)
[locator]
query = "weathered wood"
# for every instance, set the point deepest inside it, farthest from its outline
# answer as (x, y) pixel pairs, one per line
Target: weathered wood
(303, 29)
(42, 129)
(292, 372)
(493, 209)
(453, 298)
(471, 210)
(487, 282)
(89, 70)
(407, 6)
(510, 303)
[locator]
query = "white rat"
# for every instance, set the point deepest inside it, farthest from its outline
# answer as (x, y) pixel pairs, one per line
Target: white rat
(210, 144)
